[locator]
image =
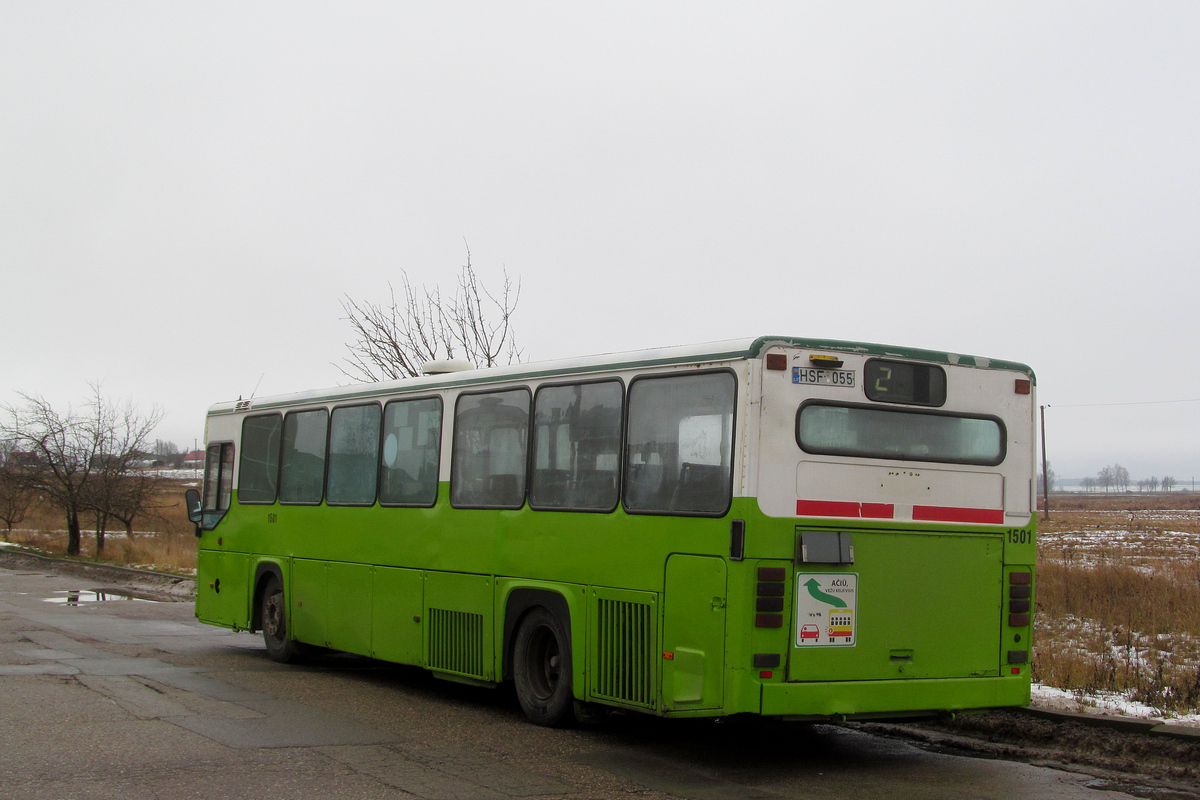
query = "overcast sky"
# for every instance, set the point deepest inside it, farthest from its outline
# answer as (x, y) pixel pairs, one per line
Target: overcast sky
(186, 190)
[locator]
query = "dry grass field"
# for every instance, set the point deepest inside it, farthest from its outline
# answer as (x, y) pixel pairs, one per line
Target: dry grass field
(163, 541)
(1118, 600)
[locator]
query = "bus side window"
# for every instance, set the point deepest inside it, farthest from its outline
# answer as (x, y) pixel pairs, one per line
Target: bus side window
(412, 436)
(218, 476)
(491, 433)
(218, 483)
(353, 455)
(302, 473)
(680, 441)
(258, 471)
(576, 447)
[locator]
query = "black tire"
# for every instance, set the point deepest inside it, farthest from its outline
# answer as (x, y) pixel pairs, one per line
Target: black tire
(542, 668)
(280, 647)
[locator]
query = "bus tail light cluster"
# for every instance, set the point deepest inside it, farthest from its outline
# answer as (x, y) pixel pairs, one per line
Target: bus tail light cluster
(1020, 598)
(1020, 592)
(769, 605)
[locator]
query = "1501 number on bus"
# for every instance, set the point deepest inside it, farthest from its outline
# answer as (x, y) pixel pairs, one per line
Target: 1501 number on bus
(823, 377)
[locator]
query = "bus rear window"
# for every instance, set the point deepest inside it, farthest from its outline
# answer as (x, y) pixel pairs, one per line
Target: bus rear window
(903, 435)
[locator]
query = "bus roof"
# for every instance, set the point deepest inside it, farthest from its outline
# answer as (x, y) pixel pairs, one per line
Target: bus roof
(729, 350)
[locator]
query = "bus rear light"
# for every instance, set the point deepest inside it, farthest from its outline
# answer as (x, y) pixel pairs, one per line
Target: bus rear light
(1018, 606)
(1018, 620)
(668, 656)
(776, 361)
(1020, 592)
(769, 604)
(1023, 386)
(768, 620)
(1018, 656)
(1016, 670)
(1020, 578)
(766, 673)
(770, 589)
(766, 660)
(777, 574)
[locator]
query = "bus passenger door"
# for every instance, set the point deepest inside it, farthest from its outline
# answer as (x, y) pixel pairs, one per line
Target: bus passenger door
(693, 640)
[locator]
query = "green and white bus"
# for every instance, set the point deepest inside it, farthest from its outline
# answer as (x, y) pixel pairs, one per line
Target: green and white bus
(798, 528)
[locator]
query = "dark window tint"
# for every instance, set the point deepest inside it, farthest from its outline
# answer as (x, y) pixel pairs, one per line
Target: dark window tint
(896, 434)
(490, 436)
(412, 436)
(680, 443)
(258, 472)
(576, 447)
(353, 455)
(903, 382)
(303, 474)
(218, 476)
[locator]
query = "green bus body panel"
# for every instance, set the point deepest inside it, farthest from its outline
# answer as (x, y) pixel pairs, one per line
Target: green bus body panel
(307, 601)
(348, 624)
(430, 587)
(398, 601)
(458, 624)
(693, 633)
(221, 593)
(834, 698)
(929, 606)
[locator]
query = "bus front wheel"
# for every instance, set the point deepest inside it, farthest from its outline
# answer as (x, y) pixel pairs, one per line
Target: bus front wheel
(280, 647)
(542, 668)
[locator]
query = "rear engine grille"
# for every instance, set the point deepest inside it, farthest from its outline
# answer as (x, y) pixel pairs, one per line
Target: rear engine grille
(623, 659)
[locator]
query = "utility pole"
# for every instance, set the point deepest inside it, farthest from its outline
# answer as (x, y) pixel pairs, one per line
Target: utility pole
(1045, 472)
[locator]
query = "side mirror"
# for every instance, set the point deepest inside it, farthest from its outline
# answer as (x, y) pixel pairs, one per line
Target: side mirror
(192, 499)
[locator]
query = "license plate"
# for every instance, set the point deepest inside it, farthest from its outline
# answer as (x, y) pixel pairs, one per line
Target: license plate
(824, 377)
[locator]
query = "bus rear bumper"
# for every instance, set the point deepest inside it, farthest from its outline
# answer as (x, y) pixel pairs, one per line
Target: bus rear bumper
(834, 699)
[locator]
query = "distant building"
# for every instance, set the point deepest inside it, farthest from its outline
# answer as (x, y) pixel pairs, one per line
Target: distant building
(194, 460)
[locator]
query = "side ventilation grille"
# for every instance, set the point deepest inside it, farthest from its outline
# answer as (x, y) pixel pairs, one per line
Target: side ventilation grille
(626, 641)
(456, 642)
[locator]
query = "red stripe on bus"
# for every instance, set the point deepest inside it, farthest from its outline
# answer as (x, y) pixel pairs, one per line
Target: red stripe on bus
(990, 516)
(826, 508)
(832, 508)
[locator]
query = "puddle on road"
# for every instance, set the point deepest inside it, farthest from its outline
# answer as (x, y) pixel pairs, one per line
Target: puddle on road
(76, 597)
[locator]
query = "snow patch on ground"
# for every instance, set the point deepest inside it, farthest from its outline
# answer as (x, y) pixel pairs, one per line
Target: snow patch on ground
(1103, 703)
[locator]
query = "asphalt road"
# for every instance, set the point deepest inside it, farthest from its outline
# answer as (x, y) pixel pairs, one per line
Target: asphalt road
(102, 696)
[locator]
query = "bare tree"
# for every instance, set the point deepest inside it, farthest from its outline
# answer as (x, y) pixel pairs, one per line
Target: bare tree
(1120, 477)
(393, 340)
(1089, 484)
(70, 451)
(118, 490)
(1168, 483)
(1041, 480)
(15, 494)
(1105, 479)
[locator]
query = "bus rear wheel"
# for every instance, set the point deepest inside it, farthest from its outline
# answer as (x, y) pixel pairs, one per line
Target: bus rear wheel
(542, 668)
(280, 647)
